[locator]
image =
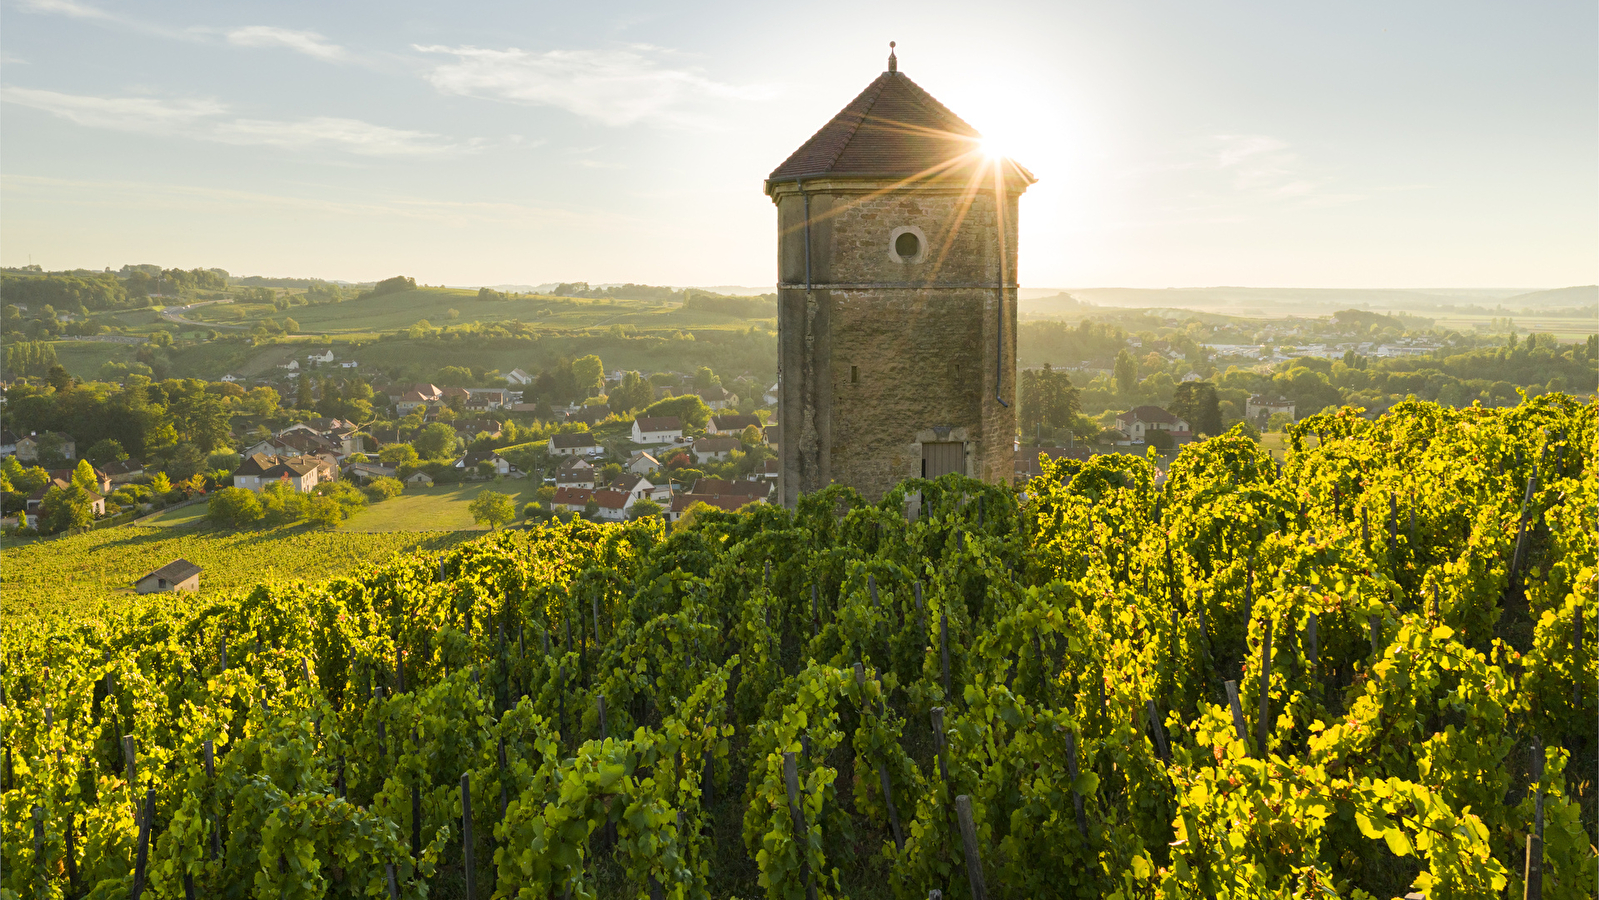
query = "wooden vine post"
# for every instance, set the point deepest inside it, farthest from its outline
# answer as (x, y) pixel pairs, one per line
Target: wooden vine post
(802, 834)
(1263, 724)
(974, 860)
(1238, 712)
(882, 776)
(1533, 876)
(1071, 769)
(468, 854)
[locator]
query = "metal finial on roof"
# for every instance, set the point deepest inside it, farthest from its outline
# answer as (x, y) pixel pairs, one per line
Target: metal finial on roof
(893, 64)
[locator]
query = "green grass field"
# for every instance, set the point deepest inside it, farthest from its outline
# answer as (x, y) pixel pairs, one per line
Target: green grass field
(87, 571)
(193, 514)
(441, 508)
(84, 358)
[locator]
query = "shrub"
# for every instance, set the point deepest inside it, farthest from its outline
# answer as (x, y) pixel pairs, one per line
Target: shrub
(383, 488)
(234, 507)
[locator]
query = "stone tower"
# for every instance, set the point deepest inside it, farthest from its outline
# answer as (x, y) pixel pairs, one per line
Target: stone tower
(896, 297)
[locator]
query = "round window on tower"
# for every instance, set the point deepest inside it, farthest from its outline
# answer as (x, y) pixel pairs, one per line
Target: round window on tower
(907, 244)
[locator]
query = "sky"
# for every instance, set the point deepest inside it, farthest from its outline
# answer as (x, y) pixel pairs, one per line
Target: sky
(1358, 144)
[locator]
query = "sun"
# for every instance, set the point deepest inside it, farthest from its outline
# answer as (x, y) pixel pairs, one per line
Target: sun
(992, 148)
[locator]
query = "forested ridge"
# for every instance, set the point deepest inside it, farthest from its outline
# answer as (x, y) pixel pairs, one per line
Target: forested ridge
(963, 688)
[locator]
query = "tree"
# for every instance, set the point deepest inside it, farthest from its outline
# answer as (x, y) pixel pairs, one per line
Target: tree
(492, 508)
(59, 378)
(234, 507)
(610, 472)
(591, 508)
(435, 442)
(633, 393)
(84, 477)
(1126, 372)
(1196, 402)
(645, 508)
(161, 485)
(187, 460)
(705, 379)
(750, 436)
(397, 455)
(105, 451)
(545, 495)
(324, 512)
(589, 373)
(283, 504)
(25, 481)
(1047, 399)
(302, 394)
(383, 488)
(689, 407)
(65, 510)
(291, 326)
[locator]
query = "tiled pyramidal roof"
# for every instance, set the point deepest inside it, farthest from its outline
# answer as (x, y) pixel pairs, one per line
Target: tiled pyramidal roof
(893, 129)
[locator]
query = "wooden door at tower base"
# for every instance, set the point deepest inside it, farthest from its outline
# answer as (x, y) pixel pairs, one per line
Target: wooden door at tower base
(942, 458)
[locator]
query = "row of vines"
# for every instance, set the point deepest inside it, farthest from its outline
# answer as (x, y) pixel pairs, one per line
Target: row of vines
(1363, 672)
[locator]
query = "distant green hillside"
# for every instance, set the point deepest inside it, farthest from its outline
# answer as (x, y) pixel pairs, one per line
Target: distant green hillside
(447, 306)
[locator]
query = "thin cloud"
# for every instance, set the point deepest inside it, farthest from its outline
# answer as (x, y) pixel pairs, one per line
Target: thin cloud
(1226, 173)
(66, 8)
(308, 42)
(454, 213)
(615, 87)
(209, 120)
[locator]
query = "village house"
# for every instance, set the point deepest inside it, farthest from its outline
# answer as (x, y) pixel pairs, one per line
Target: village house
(724, 502)
(261, 469)
(1259, 408)
(643, 463)
(471, 428)
(28, 448)
(178, 575)
(718, 449)
(759, 490)
(1137, 422)
(36, 499)
(718, 397)
(423, 395)
(773, 435)
(733, 425)
(366, 471)
(642, 488)
(324, 356)
(502, 466)
(575, 472)
(657, 430)
(578, 443)
(613, 505)
(419, 479)
(485, 399)
(124, 471)
(518, 377)
(572, 499)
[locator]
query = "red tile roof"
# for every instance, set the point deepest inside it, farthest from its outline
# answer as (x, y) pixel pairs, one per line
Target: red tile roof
(894, 129)
(608, 499)
(572, 496)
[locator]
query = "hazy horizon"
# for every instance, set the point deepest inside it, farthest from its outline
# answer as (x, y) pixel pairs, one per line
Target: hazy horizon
(1358, 147)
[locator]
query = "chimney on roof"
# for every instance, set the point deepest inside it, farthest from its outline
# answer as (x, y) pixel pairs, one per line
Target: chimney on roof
(893, 64)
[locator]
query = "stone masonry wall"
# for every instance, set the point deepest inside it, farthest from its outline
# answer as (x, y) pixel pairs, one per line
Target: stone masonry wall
(881, 350)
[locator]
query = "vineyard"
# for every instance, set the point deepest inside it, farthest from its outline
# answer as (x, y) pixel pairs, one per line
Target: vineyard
(1364, 672)
(81, 573)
